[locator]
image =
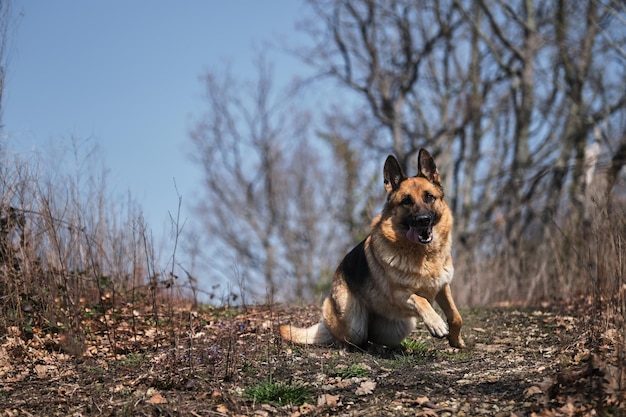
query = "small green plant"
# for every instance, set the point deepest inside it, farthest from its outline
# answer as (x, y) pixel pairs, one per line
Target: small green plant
(27, 327)
(412, 352)
(416, 347)
(277, 394)
(225, 312)
(248, 368)
(94, 369)
(132, 359)
(457, 355)
(91, 313)
(53, 327)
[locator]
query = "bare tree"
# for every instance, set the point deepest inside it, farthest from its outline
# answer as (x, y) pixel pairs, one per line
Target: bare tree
(265, 203)
(592, 93)
(507, 94)
(380, 50)
(514, 100)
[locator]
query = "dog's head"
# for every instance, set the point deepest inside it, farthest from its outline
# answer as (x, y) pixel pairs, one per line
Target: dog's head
(416, 203)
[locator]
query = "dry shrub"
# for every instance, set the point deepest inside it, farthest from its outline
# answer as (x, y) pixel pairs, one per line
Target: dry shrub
(576, 264)
(606, 252)
(66, 244)
(552, 259)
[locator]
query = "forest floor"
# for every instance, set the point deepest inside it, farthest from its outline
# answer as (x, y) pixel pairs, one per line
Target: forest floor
(172, 361)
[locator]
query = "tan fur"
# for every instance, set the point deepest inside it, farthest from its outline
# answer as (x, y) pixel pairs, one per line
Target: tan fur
(397, 272)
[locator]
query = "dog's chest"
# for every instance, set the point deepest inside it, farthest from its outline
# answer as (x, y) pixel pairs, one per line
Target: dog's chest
(417, 272)
(424, 273)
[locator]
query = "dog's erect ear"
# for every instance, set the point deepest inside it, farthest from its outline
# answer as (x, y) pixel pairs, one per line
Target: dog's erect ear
(426, 167)
(394, 174)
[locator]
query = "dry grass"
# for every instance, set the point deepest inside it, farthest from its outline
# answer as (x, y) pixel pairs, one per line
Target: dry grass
(67, 243)
(567, 261)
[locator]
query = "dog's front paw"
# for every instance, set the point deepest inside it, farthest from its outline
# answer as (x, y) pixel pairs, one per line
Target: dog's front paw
(456, 342)
(436, 326)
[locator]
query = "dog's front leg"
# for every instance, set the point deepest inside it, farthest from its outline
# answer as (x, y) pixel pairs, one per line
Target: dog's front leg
(446, 302)
(434, 323)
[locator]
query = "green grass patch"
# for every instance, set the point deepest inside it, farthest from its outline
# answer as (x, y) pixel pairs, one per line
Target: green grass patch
(412, 352)
(132, 359)
(220, 312)
(456, 356)
(248, 368)
(416, 347)
(94, 369)
(277, 394)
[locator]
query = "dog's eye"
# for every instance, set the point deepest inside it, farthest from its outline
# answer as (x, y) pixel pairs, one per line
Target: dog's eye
(428, 198)
(407, 200)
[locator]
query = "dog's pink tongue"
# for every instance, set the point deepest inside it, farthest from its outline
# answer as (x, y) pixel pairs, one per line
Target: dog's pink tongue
(413, 235)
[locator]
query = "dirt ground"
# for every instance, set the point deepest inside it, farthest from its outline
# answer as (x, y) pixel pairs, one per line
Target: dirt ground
(172, 361)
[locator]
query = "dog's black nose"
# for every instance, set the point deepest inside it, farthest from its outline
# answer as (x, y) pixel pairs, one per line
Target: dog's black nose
(422, 220)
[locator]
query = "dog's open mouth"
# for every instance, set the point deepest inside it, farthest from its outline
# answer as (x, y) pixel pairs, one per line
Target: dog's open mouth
(421, 235)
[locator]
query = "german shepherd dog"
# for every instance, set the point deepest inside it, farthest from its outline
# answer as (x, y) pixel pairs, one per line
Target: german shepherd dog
(396, 273)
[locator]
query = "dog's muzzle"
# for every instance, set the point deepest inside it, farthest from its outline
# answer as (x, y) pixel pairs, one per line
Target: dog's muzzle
(421, 228)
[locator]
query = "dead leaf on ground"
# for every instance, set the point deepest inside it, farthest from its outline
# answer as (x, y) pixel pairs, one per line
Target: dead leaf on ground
(157, 399)
(426, 413)
(327, 399)
(41, 370)
(366, 387)
(421, 400)
(568, 409)
(533, 391)
(306, 408)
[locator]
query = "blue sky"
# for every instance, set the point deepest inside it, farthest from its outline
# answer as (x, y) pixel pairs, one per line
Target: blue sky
(127, 75)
